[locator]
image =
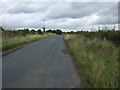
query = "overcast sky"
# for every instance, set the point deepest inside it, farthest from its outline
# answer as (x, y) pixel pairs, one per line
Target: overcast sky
(63, 15)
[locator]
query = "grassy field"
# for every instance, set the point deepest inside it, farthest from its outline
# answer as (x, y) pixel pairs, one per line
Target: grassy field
(16, 41)
(96, 59)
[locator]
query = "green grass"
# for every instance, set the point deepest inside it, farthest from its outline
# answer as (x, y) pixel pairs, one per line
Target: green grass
(13, 42)
(96, 59)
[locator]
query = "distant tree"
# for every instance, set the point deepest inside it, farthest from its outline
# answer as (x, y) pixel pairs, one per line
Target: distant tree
(26, 31)
(1, 28)
(22, 32)
(54, 31)
(58, 31)
(39, 31)
(71, 32)
(32, 31)
(50, 31)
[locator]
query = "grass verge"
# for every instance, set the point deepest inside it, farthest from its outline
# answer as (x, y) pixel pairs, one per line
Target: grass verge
(13, 42)
(96, 59)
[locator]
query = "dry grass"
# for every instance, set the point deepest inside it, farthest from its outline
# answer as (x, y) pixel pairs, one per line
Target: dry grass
(13, 42)
(97, 59)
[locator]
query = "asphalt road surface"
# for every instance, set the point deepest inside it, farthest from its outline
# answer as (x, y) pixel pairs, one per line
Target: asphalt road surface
(42, 64)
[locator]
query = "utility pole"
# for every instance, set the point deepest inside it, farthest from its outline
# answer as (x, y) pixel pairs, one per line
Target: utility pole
(43, 26)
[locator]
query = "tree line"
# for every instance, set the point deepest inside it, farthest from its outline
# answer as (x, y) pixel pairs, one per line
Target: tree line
(26, 31)
(111, 35)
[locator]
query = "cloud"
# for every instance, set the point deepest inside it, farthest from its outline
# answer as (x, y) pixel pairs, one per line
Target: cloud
(67, 16)
(59, 1)
(76, 10)
(26, 7)
(108, 16)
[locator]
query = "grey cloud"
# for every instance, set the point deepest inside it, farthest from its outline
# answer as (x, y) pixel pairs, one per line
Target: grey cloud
(76, 10)
(27, 7)
(107, 20)
(108, 16)
(113, 10)
(58, 15)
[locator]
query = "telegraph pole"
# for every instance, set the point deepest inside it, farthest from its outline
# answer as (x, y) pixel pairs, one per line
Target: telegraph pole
(43, 26)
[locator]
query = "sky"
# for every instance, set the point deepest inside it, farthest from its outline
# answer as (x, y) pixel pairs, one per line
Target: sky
(68, 16)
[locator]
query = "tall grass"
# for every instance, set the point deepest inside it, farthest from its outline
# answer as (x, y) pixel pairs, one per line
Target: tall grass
(96, 59)
(16, 41)
(111, 35)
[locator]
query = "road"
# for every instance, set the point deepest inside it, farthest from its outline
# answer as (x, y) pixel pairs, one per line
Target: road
(42, 64)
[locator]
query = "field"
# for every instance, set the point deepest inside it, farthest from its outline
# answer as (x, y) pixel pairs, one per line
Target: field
(96, 58)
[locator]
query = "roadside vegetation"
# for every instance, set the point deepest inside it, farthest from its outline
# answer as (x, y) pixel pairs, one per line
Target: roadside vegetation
(16, 38)
(96, 56)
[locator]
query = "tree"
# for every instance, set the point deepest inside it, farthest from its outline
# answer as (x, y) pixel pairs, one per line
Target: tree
(39, 31)
(33, 31)
(1, 28)
(50, 31)
(59, 32)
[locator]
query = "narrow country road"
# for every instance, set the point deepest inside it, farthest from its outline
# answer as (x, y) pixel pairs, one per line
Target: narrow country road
(42, 64)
